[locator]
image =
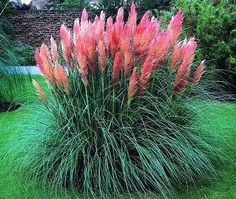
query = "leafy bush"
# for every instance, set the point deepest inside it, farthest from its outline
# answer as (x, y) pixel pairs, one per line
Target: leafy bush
(110, 6)
(71, 4)
(25, 54)
(11, 82)
(5, 5)
(116, 118)
(214, 27)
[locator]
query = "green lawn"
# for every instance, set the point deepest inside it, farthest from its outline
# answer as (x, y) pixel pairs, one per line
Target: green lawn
(219, 118)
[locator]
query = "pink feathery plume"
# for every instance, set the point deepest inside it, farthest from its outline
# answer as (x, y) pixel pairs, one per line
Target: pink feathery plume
(125, 38)
(120, 15)
(109, 25)
(182, 84)
(84, 20)
(182, 76)
(99, 27)
(40, 92)
(79, 50)
(152, 48)
(119, 24)
(61, 77)
(39, 61)
(109, 31)
(162, 44)
(188, 50)
(145, 74)
(143, 24)
(114, 43)
(137, 35)
(116, 68)
(198, 73)
(76, 32)
(153, 27)
(132, 19)
(101, 56)
(91, 47)
(175, 56)
(175, 26)
(127, 61)
(54, 51)
(47, 64)
(80, 55)
(82, 60)
(133, 84)
(148, 35)
(66, 44)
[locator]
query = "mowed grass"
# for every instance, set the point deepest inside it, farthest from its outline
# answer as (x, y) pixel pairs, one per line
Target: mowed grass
(219, 118)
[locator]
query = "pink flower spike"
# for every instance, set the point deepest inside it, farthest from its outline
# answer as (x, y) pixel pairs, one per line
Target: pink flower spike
(40, 92)
(182, 84)
(127, 61)
(162, 44)
(145, 74)
(188, 50)
(39, 61)
(84, 16)
(133, 84)
(54, 50)
(120, 15)
(132, 19)
(82, 60)
(198, 73)
(66, 44)
(47, 64)
(91, 47)
(175, 26)
(116, 68)
(101, 56)
(125, 40)
(61, 77)
(181, 76)
(175, 56)
(76, 32)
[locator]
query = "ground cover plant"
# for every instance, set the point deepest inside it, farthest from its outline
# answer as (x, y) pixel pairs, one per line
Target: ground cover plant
(116, 119)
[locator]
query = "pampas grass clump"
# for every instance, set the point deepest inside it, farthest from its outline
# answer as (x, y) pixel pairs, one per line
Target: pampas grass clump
(116, 119)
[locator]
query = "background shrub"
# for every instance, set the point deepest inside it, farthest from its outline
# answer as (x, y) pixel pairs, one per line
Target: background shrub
(12, 84)
(24, 53)
(70, 4)
(110, 6)
(213, 24)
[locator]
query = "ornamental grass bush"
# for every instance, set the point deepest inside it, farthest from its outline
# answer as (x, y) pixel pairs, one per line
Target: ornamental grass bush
(115, 119)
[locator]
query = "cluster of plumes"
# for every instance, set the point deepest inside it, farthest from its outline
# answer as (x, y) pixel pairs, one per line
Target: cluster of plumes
(136, 50)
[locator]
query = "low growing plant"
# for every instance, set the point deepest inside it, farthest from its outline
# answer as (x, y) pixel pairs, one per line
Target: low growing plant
(116, 119)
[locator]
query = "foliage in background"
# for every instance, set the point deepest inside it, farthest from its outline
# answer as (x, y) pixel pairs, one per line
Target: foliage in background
(116, 119)
(24, 53)
(11, 83)
(213, 24)
(5, 5)
(110, 6)
(71, 5)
